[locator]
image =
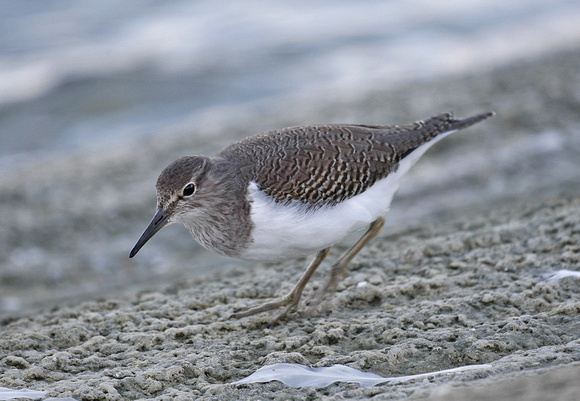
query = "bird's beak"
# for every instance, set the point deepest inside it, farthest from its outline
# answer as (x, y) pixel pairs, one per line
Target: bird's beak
(159, 221)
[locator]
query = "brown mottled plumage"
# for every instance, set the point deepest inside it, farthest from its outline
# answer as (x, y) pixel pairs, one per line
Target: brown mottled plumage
(294, 191)
(324, 165)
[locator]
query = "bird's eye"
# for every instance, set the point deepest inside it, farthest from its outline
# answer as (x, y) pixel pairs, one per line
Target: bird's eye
(189, 189)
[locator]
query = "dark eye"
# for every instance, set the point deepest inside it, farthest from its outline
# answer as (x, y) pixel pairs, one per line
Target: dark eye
(189, 189)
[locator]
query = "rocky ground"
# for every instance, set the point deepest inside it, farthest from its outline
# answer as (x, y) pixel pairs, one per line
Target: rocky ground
(455, 280)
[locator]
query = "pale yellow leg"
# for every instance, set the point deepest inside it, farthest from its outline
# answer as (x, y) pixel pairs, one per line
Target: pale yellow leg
(292, 299)
(339, 267)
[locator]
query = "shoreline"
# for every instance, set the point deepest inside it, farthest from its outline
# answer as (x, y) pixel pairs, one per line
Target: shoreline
(453, 281)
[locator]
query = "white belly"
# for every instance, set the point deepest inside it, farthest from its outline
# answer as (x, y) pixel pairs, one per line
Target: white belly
(286, 231)
(291, 230)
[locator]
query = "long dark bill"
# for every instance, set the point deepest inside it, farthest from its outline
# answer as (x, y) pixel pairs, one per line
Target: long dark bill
(159, 221)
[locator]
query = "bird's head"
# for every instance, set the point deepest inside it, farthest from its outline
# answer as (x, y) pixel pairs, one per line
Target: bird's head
(182, 191)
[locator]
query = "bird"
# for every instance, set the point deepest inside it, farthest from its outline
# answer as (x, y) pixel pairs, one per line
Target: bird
(295, 192)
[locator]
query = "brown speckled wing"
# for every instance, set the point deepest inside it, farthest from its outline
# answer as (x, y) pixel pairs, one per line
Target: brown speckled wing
(323, 165)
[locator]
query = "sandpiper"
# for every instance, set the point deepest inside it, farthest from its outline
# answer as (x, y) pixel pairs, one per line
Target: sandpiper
(294, 192)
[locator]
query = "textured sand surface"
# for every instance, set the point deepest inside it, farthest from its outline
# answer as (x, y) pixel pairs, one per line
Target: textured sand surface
(455, 280)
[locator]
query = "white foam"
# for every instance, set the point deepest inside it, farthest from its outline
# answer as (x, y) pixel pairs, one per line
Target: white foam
(297, 375)
(201, 35)
(560, 274)
(9, 393)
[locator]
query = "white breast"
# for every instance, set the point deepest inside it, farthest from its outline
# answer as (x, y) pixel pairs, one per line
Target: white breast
(286, 231)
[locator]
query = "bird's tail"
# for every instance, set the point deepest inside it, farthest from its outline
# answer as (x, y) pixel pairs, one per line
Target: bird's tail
(469, 121)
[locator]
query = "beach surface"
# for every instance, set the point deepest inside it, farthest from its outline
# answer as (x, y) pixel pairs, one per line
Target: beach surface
(458, 278)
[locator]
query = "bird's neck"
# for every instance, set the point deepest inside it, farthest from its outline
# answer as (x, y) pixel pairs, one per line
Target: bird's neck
(222, 222)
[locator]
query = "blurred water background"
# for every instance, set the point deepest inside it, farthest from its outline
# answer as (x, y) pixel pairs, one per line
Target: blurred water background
(76, 76)
(96, 97)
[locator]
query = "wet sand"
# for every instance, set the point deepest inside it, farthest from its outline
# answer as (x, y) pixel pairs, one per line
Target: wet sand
(455, 280)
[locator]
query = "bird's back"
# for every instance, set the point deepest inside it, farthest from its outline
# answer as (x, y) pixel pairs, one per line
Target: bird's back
(324, 165)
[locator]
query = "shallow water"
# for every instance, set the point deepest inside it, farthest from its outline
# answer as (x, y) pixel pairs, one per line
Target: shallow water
(77, 77)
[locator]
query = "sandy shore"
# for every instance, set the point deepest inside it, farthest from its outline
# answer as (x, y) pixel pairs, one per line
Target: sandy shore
(455, 280)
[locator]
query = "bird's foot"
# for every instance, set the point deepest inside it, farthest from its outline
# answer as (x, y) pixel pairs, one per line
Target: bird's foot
(316, 300)
(338, 270)
(290, 302)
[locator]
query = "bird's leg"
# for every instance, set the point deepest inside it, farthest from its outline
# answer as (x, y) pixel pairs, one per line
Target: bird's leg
(339, 267)
(292, 299)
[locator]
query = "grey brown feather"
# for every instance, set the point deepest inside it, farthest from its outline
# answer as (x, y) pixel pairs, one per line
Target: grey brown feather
(324, 165)
(314, 165)
(219, 212)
